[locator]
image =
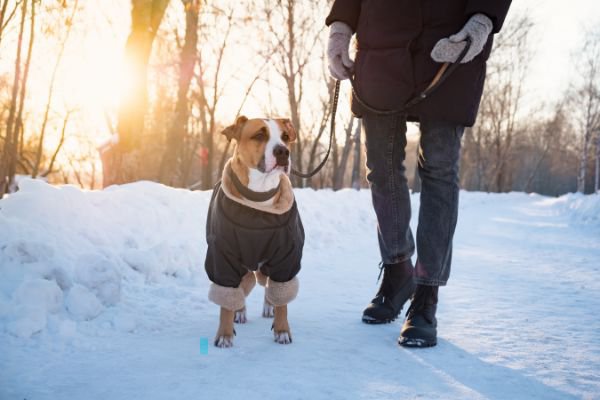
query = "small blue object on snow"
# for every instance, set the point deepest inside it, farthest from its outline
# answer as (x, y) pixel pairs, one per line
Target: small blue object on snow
(204, 346)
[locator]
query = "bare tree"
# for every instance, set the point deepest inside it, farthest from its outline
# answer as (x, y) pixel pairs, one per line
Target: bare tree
(123, 161)
(489, 144)
(40, 147)
(7, 14)
(170, 170)
(61, 141)
(220, 72)
(543, 140)
(9, 154)
(585, 103)
(295, 49)
(209, 98)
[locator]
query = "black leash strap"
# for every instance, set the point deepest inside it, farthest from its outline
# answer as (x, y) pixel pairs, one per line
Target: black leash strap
(440, 77)
(334, 104)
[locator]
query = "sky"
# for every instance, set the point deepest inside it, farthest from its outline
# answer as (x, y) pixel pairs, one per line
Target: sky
(557, 34)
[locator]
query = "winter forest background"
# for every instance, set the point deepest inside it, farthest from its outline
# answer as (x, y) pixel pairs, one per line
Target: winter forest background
(167, 76)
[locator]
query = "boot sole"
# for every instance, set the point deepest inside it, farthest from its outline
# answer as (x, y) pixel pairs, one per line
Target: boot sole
(406, 292)
(374, 321)
(416, 343)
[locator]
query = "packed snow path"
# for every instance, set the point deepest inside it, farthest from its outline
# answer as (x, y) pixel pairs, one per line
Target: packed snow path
(103, 296)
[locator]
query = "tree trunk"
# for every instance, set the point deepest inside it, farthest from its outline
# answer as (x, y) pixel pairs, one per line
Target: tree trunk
(123, 161)
(597, 181)
(170, 170)
(293, 97)
(6, 17)
(583, 162)
(9, 153)
(20, 134)
(40, 148)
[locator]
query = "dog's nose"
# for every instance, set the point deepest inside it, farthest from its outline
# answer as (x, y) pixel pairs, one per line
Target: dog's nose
(281, 152)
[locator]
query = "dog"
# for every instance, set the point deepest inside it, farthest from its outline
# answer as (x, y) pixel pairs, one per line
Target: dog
(253, 230)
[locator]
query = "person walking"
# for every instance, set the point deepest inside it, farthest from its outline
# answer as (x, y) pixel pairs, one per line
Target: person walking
(400, 47)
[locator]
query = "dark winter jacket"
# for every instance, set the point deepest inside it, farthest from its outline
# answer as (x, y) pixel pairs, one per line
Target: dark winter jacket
(393, 62)
(241, 239)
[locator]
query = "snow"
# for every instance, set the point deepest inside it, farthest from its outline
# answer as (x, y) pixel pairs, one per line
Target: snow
(82, 304)
(103, 295)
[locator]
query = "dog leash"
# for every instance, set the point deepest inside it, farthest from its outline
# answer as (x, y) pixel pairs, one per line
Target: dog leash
(334, 104)
(440, 77)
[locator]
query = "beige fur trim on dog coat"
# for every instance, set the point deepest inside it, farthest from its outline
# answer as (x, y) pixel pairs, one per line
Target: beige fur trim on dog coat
(281, 293)
(232, 299)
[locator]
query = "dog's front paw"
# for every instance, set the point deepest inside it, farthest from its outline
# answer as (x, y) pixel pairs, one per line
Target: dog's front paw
(283, 337)
(240, 316)
(224, 341)
(268, 311)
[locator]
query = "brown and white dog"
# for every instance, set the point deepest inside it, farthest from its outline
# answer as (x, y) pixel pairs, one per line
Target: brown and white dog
(254, 231)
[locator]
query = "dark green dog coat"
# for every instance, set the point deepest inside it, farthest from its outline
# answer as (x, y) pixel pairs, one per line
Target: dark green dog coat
(241, 238)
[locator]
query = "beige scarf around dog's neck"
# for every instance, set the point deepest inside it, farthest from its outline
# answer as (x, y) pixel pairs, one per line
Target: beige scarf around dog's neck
(284, 200)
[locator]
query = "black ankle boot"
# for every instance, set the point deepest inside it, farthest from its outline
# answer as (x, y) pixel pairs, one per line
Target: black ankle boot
(396, 288)
(420, 327)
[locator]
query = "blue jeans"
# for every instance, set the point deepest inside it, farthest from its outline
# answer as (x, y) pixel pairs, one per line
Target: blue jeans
(438, 163)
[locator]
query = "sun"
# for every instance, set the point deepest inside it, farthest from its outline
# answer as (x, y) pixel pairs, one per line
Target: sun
(95, 76)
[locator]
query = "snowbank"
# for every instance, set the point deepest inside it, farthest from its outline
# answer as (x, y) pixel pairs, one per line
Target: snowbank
(584, 209)
(65, 252)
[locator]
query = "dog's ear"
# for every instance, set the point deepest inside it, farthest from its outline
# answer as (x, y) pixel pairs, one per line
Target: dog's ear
(234, 131)
(288, 127)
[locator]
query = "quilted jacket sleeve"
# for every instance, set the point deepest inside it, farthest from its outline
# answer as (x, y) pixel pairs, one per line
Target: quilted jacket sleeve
(496, 10)
(346, 11)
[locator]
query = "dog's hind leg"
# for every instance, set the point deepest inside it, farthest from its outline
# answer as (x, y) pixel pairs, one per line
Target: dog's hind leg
(268, 311)
(267, 307)
(240, 316)
(247, 284)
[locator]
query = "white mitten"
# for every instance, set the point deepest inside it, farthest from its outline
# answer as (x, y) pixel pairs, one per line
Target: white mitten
(337, 50)
(478, 29)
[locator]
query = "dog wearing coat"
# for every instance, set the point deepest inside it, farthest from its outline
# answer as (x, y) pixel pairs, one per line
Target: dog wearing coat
(253, 229)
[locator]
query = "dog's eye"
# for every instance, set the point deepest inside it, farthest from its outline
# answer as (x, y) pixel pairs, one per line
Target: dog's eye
(285, 137)
(260, 136)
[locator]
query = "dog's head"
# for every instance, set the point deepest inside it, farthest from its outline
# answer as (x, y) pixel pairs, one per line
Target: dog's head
(262, 144)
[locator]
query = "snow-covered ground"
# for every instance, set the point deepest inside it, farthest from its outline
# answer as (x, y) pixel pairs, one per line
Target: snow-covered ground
(103, 295)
